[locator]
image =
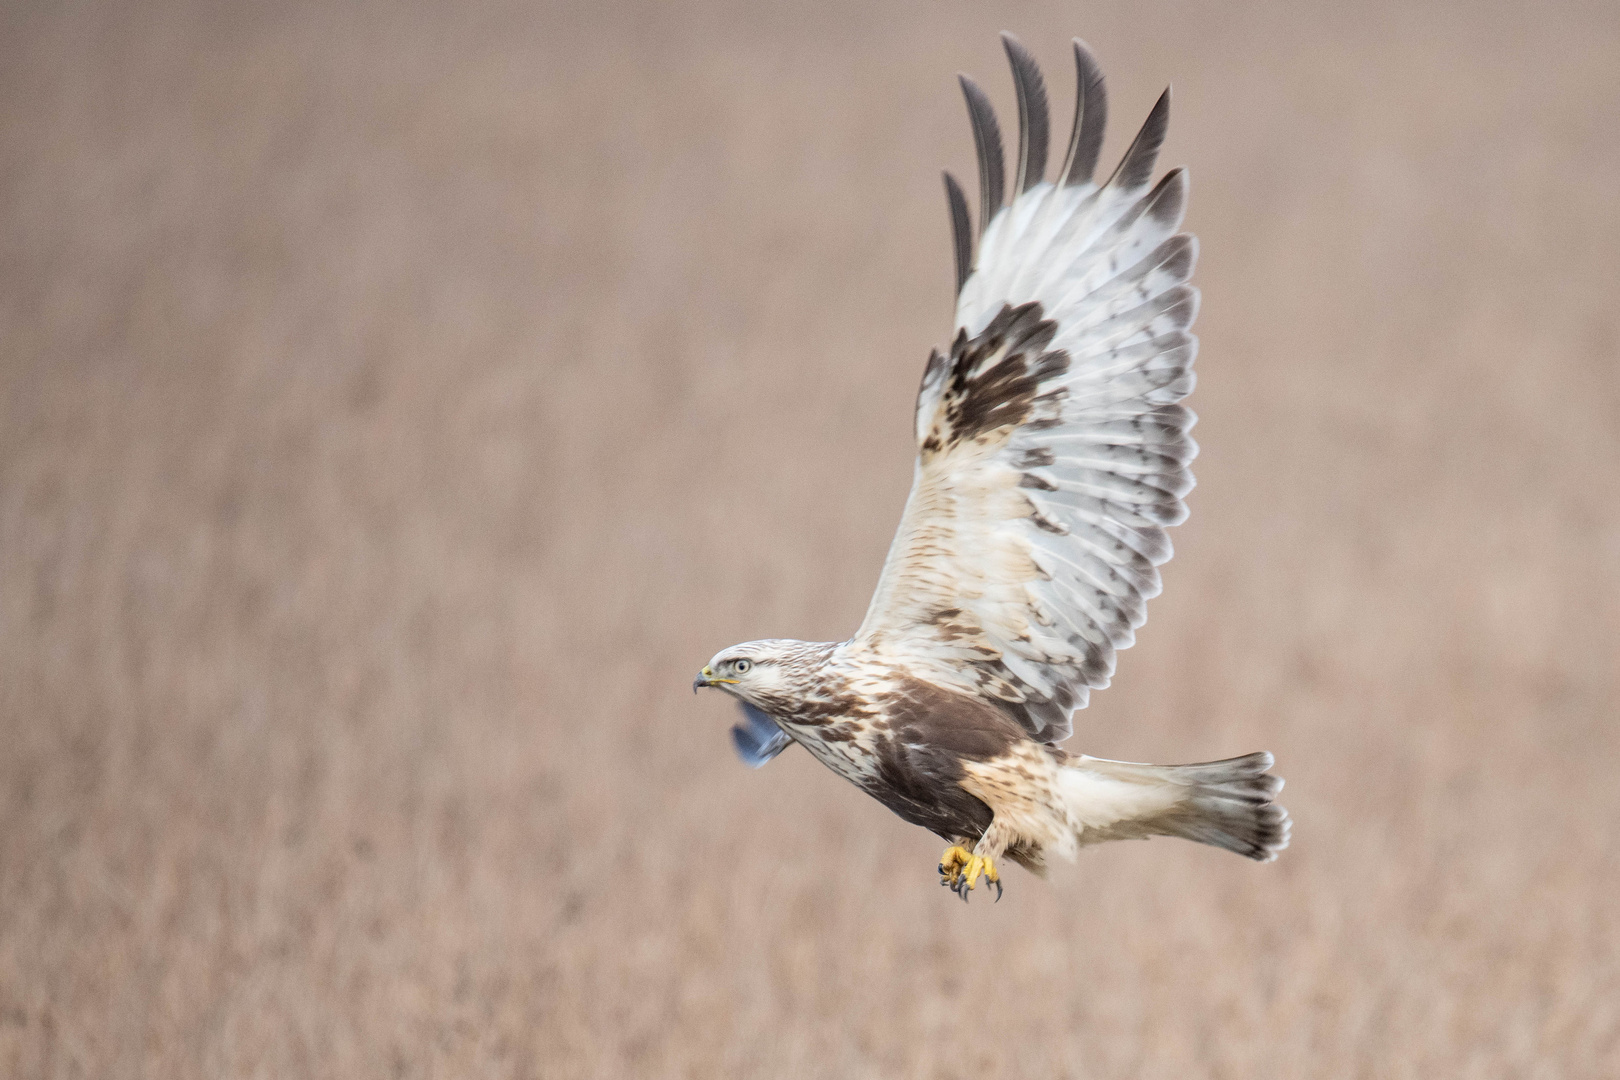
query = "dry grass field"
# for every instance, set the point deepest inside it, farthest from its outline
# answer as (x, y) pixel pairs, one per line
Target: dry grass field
(399, 403)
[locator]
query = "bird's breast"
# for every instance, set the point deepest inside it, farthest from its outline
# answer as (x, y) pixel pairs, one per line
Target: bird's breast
(844, 746)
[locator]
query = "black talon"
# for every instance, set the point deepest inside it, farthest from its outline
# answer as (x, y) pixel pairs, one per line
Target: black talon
(997, 884)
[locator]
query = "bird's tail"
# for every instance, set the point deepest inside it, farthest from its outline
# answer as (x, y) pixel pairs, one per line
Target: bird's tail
(1228, 804)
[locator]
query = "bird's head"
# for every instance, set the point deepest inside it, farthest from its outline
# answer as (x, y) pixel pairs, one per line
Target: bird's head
(767, 674)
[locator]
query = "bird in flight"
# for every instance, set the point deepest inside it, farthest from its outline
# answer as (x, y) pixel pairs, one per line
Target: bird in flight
(1052, 452)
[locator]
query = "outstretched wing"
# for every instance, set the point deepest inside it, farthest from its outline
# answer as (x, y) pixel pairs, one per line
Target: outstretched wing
(1053, 449)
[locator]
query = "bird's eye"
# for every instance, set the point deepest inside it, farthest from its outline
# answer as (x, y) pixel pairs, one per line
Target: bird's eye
(741, 666)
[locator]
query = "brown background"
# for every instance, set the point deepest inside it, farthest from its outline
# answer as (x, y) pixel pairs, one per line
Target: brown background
(399, 403)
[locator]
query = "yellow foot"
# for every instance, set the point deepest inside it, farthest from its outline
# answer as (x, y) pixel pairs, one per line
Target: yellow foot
(950, 864)
(960, 869)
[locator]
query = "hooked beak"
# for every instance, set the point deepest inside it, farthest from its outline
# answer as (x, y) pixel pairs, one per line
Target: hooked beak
(706, 678)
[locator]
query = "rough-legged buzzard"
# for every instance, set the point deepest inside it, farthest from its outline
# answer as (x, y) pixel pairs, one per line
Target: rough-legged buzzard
(1052, 454)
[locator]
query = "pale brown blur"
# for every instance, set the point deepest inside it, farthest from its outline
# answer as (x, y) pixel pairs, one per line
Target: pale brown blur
(399, 404)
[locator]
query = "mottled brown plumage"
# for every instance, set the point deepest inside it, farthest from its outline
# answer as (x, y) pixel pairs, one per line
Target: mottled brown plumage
(1052, 454)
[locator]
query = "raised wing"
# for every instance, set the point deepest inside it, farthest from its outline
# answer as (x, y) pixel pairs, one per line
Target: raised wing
(1052, 448)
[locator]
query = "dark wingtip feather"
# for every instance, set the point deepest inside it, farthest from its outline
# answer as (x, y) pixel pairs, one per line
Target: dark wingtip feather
(961, 230)
(987, 140)
(1167, 202)
(1090, 117)
(1136, 167)
(1034, 127)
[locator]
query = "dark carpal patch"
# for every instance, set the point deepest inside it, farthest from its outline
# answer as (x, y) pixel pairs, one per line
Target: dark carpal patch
(922, 784)
(975, 402)
(963, 726)
(930, 733)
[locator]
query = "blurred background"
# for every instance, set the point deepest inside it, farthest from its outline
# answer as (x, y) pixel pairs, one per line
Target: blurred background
(399, 402)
